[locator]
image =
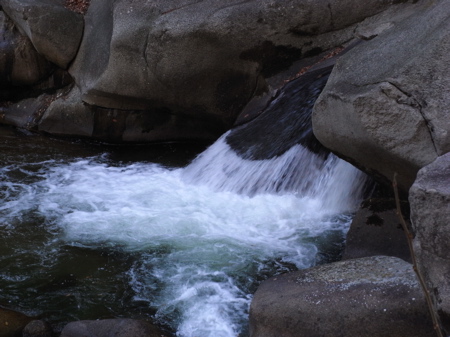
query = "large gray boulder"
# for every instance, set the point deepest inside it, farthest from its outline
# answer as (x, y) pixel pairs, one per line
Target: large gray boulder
(385, 105)
(430, 213)
(54, 30)
(368, 297)
(203, 59)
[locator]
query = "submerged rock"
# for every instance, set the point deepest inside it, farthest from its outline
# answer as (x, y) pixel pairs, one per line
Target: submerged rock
(12, 322)
(430, 213)
(119, 327)
(37, 328)
(369, 297)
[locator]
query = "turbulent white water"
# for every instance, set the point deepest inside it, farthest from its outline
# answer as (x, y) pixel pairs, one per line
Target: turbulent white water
(206, 234)
(333, 183)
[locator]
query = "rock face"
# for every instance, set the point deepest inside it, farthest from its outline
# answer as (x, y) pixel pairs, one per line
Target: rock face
(111, 328)
(430, 214)
(201, 57)
(67, 115)
(175, 70)
(385, 105)
(53, 30)
(376, 296)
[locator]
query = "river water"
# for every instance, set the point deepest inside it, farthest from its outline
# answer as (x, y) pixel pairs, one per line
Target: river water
(92, 231)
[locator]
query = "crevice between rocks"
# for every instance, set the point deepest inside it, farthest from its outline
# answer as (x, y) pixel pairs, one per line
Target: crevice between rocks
(144, 52)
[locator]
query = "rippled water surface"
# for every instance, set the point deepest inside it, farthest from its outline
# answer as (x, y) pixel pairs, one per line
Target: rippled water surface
(91, 231)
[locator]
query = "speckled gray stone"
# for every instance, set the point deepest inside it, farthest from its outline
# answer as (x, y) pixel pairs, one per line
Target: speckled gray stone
(369, 297)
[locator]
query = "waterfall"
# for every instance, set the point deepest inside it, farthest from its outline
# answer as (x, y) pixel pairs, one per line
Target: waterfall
(335, 184)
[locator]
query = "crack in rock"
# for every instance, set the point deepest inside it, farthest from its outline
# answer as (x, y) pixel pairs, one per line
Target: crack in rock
(410, 100)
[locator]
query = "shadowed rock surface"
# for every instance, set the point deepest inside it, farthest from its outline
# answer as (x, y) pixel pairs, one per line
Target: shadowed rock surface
(20, 63)
(376, 230)
(221, 51)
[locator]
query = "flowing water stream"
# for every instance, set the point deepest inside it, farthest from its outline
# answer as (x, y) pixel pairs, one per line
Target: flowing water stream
(88, 232)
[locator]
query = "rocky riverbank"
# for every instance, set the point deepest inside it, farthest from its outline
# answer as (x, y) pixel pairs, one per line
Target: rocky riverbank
(146, 71)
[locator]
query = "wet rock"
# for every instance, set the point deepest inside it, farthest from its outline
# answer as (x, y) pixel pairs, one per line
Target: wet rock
(12, 322)
(384, 106)
(111, 328)
(368, 297)
(430, 213)
(376, 230)
(54, 30)
(37, 328)
(284, 122)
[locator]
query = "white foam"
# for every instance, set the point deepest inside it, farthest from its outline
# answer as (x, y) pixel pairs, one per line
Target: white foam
(335, 184)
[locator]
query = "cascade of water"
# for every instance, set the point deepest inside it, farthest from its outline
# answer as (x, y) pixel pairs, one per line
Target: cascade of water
(335, 183)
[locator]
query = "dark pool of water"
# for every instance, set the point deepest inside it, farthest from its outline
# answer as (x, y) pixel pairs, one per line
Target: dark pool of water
(56, 282)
